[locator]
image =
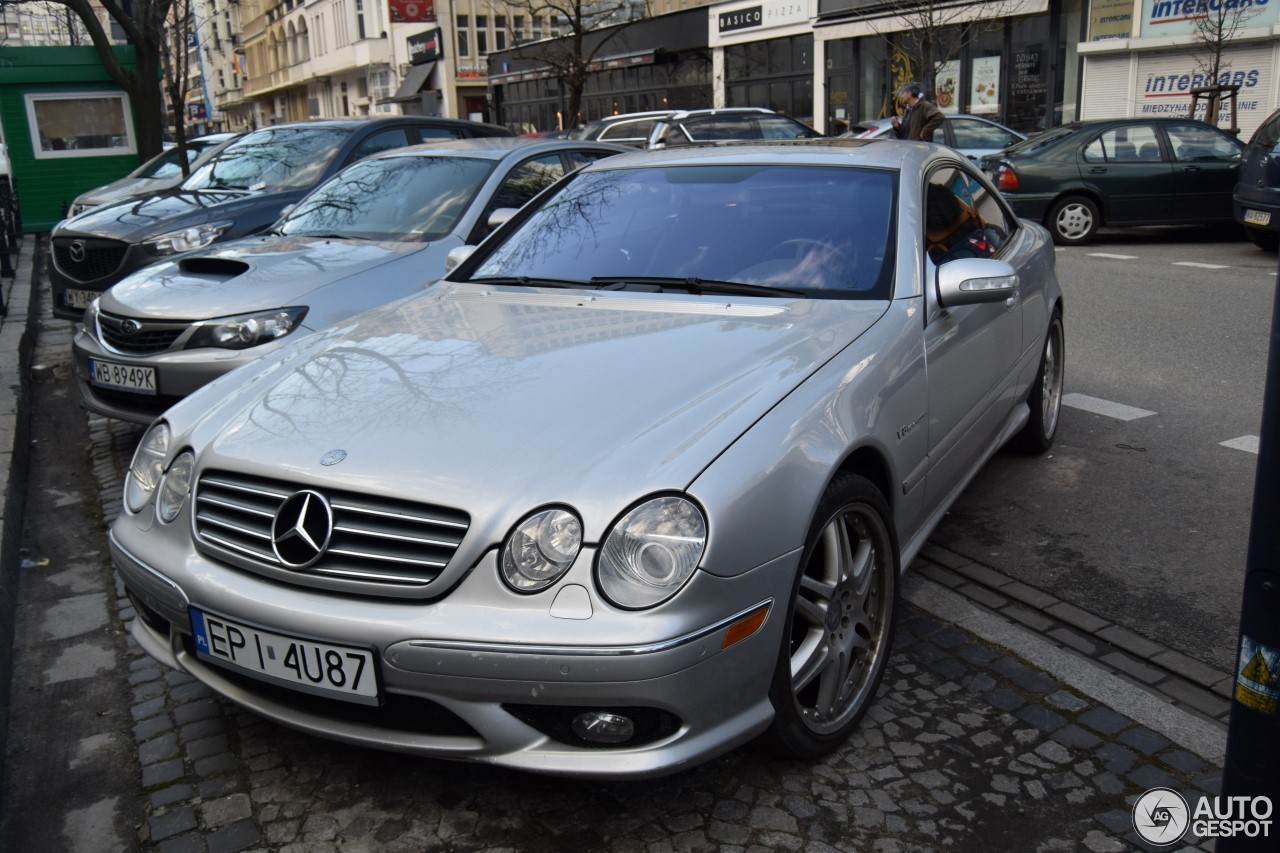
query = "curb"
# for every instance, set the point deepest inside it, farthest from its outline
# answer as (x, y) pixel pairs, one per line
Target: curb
(1170, 675)
(17, 342)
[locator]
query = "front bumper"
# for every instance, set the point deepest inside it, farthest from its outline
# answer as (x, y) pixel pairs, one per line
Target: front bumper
(450, 655)
(178, 374)
(135, 258)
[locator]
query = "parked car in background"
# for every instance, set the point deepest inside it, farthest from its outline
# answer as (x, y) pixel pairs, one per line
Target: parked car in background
(687, 127)
(627, 129)
(633, 485)
(161, 172)
(1150, 171)
(1256, 202)
(240, 191)
(973, 136)
(378, 231)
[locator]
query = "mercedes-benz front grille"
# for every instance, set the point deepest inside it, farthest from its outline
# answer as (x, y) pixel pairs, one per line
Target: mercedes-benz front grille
(139, 337)
(91, 260)
(376, 540)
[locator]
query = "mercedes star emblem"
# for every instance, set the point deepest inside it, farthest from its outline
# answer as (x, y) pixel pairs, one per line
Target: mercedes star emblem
(77, 251)
(301, 529)
(333, 457)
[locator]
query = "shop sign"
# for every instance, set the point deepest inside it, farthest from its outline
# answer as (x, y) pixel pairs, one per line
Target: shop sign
(1165, 82)
(196, 111)
(1110, 19)
(411, 11)
(771, 13)
(471, 71)
(1180, 17)
(425, 47)
(1028, 75)
(984, 85)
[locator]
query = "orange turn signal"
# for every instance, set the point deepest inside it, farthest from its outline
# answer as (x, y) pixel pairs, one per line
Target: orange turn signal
(745, 627)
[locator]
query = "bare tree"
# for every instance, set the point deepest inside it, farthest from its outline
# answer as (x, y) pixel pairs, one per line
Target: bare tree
(176, 67)
(145, 30)
(1211, 34)
(936, 32)
(570, 57)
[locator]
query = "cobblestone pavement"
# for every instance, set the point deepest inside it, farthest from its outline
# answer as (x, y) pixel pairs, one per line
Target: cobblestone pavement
(968, 747)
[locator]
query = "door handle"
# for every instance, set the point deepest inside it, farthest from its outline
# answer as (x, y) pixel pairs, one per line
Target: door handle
(1097, 170)
(1190, 168)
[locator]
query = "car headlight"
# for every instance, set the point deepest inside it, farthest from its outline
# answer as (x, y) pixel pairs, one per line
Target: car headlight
(186, 239)
(175, 487)
(541, 549)
(651, 552)
(246, 330)
(147, 467)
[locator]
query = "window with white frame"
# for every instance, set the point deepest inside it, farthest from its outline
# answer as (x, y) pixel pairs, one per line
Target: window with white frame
(482, 35)
(80, 124)
(464, 48)
(500, 32)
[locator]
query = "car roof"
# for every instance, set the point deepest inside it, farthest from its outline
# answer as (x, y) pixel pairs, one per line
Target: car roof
(871, 153)
(632, 116)
(684, 114)
(499, 147)
(356, 123)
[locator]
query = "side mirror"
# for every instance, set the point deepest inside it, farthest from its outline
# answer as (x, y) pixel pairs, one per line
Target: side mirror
(970, 281)
(500, 216)
(456, 256)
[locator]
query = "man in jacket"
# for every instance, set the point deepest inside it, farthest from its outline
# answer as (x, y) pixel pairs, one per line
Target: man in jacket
(921, 118)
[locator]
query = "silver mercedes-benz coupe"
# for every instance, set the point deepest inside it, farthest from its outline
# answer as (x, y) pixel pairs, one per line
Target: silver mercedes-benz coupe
(632, 486)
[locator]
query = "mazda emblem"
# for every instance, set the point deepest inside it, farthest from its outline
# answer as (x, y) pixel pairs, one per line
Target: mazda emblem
(333, 457)
(130, 327)
(301, 529)
(77, 251)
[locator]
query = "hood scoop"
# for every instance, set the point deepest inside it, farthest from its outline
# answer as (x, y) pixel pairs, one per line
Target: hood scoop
(227, 267)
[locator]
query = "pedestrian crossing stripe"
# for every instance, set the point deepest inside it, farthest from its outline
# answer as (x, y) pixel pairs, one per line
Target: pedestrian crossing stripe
(1257, 685)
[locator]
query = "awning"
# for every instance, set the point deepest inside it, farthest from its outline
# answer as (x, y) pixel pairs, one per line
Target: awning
(412, 85)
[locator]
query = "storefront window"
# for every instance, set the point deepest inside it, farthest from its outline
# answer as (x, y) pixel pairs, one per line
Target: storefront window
(781, 79)
(874, 98)
(1029, 73)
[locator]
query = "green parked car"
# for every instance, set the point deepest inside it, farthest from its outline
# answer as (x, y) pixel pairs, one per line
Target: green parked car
(1081, 176)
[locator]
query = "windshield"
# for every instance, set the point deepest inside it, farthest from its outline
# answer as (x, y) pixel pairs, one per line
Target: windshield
(820, 230)
(396, 198)
(167, 164)
(270, 159)
(1035, 143)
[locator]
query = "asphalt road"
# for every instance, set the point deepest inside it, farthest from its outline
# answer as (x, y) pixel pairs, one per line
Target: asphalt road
(1143, 521)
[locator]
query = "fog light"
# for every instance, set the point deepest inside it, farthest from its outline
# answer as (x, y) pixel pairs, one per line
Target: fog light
(603, 727)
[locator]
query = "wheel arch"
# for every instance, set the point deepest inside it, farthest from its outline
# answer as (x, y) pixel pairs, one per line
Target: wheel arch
(1087, 192)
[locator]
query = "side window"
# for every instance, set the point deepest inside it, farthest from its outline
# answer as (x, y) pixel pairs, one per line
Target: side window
(1268, 136)
(383, 140)
(950, 217)
(629, 131)
(997, 227)
(781, 127)
(1191, 142)
(431, 134)
(1094, 152)
(524, 182)
(721, 127)
(578, 159)
(972, 133)
(1135, 144)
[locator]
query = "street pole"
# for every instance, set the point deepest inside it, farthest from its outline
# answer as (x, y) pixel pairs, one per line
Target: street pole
(1252, 764)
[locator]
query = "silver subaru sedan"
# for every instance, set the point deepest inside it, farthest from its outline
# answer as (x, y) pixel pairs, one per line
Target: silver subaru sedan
(634, 485)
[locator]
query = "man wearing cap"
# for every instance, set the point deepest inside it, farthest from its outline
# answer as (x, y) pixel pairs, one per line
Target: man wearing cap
(921, 118)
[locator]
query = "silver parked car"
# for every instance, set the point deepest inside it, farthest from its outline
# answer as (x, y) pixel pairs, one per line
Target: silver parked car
(161, 172)
(633, 485)
(973, 136)
(377, 232)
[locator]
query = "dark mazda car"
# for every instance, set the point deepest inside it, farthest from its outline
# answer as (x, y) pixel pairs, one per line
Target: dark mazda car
(239, 192)
(1081, 176)
(1257, 197)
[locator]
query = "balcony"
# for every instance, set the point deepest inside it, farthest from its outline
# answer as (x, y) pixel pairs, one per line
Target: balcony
(261, 84)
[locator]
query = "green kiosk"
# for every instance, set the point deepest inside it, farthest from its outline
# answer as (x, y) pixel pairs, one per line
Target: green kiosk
(67, 127)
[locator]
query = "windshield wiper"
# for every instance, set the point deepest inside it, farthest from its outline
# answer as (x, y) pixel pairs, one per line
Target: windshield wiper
(526, 281)
(694, 285)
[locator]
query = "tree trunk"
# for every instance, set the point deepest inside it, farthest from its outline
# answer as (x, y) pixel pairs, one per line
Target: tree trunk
(148, 102)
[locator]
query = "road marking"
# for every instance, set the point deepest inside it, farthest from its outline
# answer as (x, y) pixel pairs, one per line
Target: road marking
(1202, 266)
(1104, 407)
(1247, 443)
(1058, 249)
(1116, 257)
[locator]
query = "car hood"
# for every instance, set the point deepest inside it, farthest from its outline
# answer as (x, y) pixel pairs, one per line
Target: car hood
(496, 400)
(134, 220)
(127, 188)
(254, 274)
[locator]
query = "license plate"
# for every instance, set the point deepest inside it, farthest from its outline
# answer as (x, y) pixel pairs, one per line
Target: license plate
(127, 377)
(1257, 217)
(341, 672)
(78, 298)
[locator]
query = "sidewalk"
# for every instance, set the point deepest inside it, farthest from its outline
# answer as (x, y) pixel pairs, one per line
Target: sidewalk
(1007, 720)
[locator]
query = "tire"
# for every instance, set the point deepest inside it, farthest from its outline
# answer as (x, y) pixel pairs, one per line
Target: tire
(1045, 398)
(1268, 241)
(1073, 220)
(840, 620)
